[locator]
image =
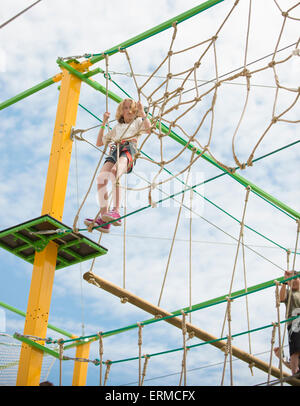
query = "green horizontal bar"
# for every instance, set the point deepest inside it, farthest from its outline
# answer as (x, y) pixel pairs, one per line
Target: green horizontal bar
(36, 345)
(208, 303)
(39, 87)
(23, 314)
(157, 29)
(138, 38)
(205, 342)
(26, 93)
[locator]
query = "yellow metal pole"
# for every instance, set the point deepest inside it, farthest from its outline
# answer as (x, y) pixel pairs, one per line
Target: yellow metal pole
(81, 367)
(45, 261)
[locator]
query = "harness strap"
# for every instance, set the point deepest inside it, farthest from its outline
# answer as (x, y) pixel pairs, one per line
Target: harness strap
(129, 157)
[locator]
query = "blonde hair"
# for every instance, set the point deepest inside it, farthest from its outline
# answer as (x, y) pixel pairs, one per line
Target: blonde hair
(119, 113)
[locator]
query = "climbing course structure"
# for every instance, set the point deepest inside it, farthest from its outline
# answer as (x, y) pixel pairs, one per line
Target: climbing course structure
(192, 124)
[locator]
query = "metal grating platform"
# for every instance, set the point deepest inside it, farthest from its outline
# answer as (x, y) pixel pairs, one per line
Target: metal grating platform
(22, 240)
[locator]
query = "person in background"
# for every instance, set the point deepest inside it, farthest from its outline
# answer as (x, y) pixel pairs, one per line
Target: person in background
(292, 287)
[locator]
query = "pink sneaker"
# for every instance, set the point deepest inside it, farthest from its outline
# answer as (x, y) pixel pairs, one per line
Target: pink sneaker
(98, 222)
(112, 215)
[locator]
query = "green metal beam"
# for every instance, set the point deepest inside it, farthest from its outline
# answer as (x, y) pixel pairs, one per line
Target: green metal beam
(36, 345)
(26, 93)
(203, 305)
(86, 78)
(189, 309)
(41, 86)
(46, 349)
(180, 18)
(157, 29)
(23, 314)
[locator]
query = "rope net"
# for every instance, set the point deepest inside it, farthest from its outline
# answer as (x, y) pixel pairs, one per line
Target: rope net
(9, 361)
(188, 109)
(177, 103)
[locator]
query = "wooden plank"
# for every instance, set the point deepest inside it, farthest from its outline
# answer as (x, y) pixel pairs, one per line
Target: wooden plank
(177, 322)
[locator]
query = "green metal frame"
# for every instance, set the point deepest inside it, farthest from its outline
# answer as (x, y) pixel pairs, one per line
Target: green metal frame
(46, 349)
(157, 29)
(40, 347)
(23, 241)
(23, 314)
(98, 57)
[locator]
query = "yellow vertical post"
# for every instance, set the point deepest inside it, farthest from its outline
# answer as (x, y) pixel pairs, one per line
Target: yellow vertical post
(80, 368)
(45, 261)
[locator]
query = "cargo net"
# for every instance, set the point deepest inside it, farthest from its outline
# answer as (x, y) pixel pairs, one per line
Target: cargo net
(171, 104)
(9, 361)
(191, 111)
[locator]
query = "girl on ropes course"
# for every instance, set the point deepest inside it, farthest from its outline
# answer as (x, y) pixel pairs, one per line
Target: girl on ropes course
(291, 298)
(122, 141)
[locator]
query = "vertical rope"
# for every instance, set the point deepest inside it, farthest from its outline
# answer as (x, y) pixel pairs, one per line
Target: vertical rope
(147, 357)
(271, 352)
(108, 366)
(61, 350)
(288, 253)
(87, 193)
(190, 256)
(247, 36)
(132, 74)
(229, 337)
(124, 235)
(225, 360)
(140, 342)
(248, 189)
(101, 355)
(246, 298)
(174, 235)
(184, 331)
(277, 300)
(80, 264)
(241, 165)
(107, 79)
(296, 244)
(117, 180)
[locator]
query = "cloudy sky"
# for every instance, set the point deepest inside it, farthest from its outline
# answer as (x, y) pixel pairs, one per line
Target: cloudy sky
(197, 271)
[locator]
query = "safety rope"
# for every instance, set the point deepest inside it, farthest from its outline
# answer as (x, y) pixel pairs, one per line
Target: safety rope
(237, 249)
